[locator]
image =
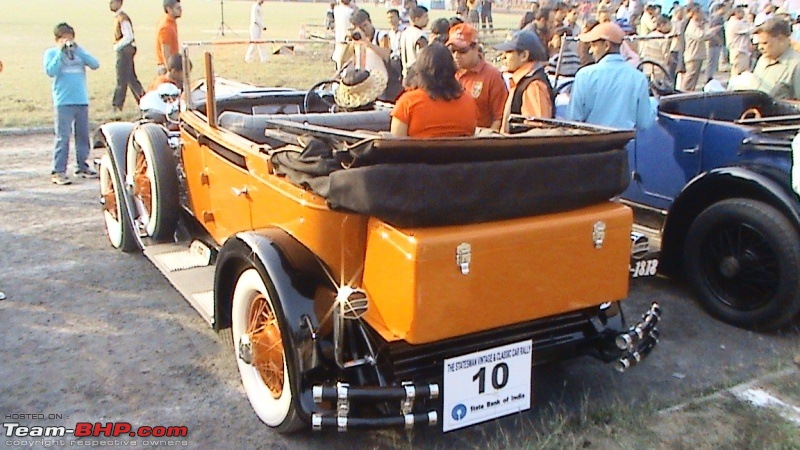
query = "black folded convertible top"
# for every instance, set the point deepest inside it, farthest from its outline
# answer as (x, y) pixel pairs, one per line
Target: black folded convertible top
(450, 181)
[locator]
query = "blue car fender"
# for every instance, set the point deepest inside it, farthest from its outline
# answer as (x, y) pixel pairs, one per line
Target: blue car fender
(757, 182)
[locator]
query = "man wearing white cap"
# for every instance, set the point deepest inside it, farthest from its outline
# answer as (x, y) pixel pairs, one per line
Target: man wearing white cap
(610, 93)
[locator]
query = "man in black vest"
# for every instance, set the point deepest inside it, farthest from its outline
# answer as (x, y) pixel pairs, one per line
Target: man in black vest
(530, 92)
(125, 47)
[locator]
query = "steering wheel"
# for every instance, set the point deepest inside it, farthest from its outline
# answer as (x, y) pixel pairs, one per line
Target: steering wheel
(321, 93)
(751, 113)
(660, 80)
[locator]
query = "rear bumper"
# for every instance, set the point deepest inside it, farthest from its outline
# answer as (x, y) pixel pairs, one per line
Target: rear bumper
(416, 401)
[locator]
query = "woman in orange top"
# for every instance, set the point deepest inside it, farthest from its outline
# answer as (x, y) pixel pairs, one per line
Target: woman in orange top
(436, 104)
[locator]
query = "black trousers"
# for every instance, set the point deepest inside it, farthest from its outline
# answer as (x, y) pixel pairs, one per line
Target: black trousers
(126, 76)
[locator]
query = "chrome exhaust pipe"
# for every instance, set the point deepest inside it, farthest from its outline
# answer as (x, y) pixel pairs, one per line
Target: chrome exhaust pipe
(631, 338)
(634, 357)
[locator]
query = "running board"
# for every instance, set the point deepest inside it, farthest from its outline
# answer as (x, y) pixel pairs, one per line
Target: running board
(189, 272)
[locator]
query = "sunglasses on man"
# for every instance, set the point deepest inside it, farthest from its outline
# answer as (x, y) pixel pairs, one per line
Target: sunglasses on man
(454, 49)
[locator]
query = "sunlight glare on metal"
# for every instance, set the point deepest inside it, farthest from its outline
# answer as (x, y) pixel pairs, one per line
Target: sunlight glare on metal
(353, 302)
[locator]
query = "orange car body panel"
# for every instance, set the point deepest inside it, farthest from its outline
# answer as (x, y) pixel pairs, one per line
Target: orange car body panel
(520, 269)
(227, 199)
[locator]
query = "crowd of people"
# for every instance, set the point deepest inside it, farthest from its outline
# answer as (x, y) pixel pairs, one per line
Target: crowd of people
(601, 44)
(437, 74)
(449, 89)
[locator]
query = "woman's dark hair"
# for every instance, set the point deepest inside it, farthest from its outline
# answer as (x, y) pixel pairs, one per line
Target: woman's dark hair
(440, 27)
(526, 19)
(455, 20)
(436, 73)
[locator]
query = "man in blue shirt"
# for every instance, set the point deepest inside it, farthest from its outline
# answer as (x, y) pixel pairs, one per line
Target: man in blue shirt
(66, 63)
(611, 92)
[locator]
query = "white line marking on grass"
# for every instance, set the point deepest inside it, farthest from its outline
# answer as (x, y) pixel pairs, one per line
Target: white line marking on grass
(763, 399)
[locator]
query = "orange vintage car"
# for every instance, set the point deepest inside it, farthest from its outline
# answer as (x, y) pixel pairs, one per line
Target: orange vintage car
(371, 281)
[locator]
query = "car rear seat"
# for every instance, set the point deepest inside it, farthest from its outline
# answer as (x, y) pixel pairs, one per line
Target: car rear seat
(252, 126)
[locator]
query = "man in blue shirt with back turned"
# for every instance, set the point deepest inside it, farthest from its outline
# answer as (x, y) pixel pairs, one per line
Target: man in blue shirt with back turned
(66, 64)
(611, 92)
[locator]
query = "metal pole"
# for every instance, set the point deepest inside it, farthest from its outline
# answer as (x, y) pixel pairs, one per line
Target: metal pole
(222, 17)
(558, 62)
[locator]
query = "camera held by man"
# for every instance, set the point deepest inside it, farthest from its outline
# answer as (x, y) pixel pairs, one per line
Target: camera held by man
(69, 49)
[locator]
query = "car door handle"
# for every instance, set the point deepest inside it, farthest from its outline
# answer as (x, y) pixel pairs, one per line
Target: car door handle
(240, 192)
(691, 150)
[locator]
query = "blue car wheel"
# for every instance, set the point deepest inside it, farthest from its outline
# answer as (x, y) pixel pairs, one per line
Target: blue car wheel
(743, 258)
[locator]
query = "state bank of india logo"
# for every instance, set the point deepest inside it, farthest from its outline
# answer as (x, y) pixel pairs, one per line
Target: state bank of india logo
(459, 412)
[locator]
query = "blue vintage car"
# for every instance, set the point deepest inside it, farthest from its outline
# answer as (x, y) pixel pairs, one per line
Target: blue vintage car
(711, 181)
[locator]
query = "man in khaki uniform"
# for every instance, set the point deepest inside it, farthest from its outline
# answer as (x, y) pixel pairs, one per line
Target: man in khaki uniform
(778, 68)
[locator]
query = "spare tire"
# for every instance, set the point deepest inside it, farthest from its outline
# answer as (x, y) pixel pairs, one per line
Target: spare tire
(154, 181)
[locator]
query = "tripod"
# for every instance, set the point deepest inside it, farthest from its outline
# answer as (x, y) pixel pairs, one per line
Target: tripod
(222, 24)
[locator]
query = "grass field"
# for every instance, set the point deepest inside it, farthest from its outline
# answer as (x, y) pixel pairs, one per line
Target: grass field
(26, 29)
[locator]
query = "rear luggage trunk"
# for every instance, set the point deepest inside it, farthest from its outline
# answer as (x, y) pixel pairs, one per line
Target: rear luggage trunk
(429, 284)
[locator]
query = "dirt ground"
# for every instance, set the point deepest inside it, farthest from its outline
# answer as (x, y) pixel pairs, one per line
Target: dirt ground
(91, 334)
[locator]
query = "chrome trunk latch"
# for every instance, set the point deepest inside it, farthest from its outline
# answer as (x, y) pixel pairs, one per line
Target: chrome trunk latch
(463, 257)
(598, 234)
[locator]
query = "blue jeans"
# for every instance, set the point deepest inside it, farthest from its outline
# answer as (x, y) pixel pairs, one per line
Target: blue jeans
(71, 118)
(713, 62)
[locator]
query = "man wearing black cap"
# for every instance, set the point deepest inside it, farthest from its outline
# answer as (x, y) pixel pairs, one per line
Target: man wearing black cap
(530, 92)
(610, 93)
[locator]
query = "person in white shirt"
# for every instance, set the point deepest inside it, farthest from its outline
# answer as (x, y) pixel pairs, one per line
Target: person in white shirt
(737, 37)
(341, 28)
(624, 12)
(766, 13)
(396, 27)
(793, 6)
(256, 27)
(413, 38)
(657, 49)
(125, 48)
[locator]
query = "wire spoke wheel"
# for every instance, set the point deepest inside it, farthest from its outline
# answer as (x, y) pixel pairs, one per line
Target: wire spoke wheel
(743, 259)
(261, 353)
(153, 181)
(741, 268)
(118, 225)
(267, 345)
(143, 185)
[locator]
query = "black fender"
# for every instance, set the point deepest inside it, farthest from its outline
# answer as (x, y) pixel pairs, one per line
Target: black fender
(296, 275)
(115, 135)
(759, 182)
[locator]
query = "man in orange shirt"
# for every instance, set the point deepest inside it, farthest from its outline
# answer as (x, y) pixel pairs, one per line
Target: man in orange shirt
(530, 92)
(167, 34)
(482, 81)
